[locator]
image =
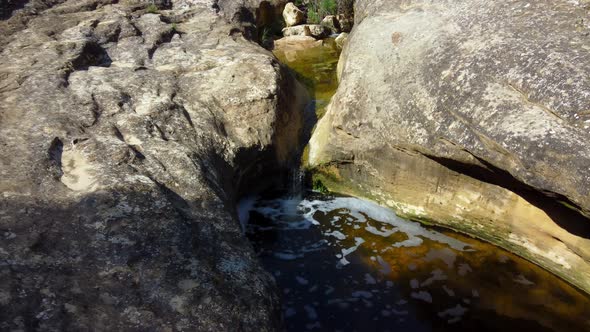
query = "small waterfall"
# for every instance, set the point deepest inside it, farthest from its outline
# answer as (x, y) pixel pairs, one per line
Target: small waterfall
(296, 187)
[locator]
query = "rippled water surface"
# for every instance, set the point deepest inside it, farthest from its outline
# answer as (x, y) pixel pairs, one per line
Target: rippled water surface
(344, 264)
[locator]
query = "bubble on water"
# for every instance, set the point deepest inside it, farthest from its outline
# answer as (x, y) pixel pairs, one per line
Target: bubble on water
(301, 280)
(342, 262)
(455, 313)
(422, 295)
(336, 234)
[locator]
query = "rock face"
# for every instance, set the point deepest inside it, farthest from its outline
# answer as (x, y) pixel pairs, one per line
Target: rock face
(126, 137)
(313, 30)
(292, 15)
(473, 115)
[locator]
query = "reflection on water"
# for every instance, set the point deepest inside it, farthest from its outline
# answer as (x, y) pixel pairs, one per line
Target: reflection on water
(315, 65)
(344, 264)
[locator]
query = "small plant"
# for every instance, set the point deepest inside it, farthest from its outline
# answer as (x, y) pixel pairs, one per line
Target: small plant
(267, 36)
(152, 9)
(318, 185)
(313, 16)
(328, 7)
(268, 33)
(174, 27)
(318, 9)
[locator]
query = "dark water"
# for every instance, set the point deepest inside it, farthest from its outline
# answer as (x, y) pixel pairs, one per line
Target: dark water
(344, 264)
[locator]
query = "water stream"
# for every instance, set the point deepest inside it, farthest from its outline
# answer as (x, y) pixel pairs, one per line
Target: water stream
(345, 264)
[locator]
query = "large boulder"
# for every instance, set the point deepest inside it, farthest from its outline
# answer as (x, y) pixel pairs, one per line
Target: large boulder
(472, 115)
(126, 140)
(293, 15)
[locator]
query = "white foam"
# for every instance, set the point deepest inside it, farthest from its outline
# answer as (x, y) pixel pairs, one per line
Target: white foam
(455, 313)
(336, 234)
(295, 214)
(359, 208)
(422, 295)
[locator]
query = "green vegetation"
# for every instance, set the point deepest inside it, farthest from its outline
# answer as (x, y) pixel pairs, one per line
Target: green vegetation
(267, 33)
(152, 9)
(318, 9)
(328, 7)
(318, 185)
(266, 37)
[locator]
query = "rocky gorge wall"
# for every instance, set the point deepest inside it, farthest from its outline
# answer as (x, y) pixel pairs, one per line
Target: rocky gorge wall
(126, 135)
(472, 115)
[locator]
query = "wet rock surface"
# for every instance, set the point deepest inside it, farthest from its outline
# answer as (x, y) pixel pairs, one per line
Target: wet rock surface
(126, 135)
(473, 115)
